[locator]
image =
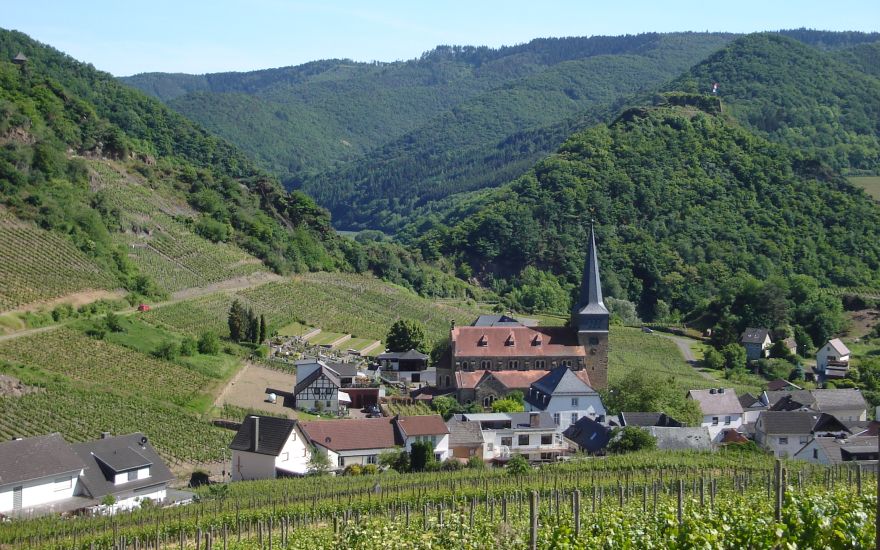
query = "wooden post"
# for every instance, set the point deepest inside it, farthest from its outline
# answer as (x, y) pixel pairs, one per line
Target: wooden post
(777, 479)
(859, 480)
(533, 521)
(680, 500)
(577, 512)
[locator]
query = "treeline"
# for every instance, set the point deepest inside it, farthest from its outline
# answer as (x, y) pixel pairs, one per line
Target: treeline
(685, 202)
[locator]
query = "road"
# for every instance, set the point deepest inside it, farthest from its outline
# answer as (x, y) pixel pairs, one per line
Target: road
(684, 346)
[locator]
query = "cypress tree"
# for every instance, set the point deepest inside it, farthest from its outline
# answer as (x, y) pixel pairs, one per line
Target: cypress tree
(235, 321)
(262, 329)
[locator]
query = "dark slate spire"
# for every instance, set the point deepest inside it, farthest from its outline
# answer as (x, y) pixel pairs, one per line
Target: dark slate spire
(590, 301)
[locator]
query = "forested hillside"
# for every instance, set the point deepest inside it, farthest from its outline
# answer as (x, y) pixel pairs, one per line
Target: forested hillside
(826, 104)
(96, 175)
(685, 200)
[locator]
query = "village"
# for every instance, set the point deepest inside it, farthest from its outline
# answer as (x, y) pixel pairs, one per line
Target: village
(505, 391)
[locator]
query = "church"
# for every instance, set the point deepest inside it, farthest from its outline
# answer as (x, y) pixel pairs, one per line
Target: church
(500, 343)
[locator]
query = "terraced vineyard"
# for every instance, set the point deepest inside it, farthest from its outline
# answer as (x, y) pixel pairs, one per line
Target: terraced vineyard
(38, 265)
(359, 305)
(158, 240)
(90, 386)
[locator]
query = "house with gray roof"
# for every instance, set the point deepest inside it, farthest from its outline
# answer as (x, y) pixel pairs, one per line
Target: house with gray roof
(786, 432)
(721, 410)
(589, 435)
(319, 387)
(533, 435)
(37, 472)
(566, 395)
(832, 360)
(465, 439)
(757, 343)
(840, 450)
(844, 403)
(648, 420)
(126, 468)
(267, 447)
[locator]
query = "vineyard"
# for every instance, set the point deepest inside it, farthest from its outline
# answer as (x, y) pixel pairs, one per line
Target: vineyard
(159, 241)
(359, 305)
(728, 499)
(88, 386)
(39, 265)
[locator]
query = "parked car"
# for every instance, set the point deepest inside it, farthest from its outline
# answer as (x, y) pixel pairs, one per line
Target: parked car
(372, 409)
(649, 330)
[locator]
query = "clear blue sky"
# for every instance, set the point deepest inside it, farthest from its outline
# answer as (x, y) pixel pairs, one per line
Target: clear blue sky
(197, 36)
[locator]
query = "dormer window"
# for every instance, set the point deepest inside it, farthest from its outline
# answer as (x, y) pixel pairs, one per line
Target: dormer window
(536, 341)
(483, 341)
(509, 341)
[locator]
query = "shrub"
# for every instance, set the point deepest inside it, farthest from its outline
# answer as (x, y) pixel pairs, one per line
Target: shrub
(188, 347)
(209, 343)
(370, 469)
(518, 465)
(168, 351)
(630, 439)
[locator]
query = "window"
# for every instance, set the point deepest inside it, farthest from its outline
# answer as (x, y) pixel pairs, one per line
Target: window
(546, 456)
(539, 364)
(804, 439)
(566, 363)
(512, 364)
(328, 404)
(556, 418)
(714, 420)
(285, 457)
(816, 453)
(485, 364)
(341, 461)
(371, 459)
(575, 401)
(489, 447)
(506, 441)
(132, 475)
(546, 439)
(727, 420)
(574, 417)
(783, 441)
(63, 483)
(523, 440)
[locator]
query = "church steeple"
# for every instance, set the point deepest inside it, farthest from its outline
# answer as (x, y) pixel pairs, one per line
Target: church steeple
(590, 302)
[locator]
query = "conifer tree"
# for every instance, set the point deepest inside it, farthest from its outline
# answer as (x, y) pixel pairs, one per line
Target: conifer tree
(236, 321)
(262, 329)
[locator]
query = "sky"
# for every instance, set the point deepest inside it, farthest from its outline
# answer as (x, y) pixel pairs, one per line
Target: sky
(197, 36)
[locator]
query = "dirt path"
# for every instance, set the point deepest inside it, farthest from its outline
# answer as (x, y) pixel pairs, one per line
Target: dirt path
(238, 283)
(684, 347)
(76, 299)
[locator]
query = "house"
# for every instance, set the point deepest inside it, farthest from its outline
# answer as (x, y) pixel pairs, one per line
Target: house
(486, 387)
(789, 400)
(424, 429)
(834, 450)
(720, 407)
(648, 419)
(37, 472)
(565, 394)
(752, 406)
(781, 384)
(791, 345)
(844, 403)
(125, 468)
(786, 432)
(266, 447)
(832, 360)
(319, 388)
(465, 439)
(757, 343)
(412, 360)
(589, 435)
(503, 344)
(533, 435)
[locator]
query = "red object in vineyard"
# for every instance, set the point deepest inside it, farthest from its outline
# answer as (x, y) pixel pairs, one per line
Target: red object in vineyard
(143, 307)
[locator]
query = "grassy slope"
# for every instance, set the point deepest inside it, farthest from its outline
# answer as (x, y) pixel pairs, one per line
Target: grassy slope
(871, 184)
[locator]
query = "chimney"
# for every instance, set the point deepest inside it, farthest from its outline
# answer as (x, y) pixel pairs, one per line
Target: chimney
(452, 323)
(534, 418)
(105, 435)
(711, 391)
(256, 442)
(720, 390)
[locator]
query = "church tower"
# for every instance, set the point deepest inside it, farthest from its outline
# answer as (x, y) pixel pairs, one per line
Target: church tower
(590, 318)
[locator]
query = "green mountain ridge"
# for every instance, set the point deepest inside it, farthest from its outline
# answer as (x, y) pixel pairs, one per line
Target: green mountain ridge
(685, 199)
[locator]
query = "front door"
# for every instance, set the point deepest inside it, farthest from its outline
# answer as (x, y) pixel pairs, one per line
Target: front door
(16, 498)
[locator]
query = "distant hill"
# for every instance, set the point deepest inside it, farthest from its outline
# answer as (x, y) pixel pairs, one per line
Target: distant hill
(826, 104)
(684, 198)
(109, 185)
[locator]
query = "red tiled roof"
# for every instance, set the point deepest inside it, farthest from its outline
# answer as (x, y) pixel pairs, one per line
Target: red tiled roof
(352, 434)
(515, 342)
(518, 379)
(467, 379)
(422, 425)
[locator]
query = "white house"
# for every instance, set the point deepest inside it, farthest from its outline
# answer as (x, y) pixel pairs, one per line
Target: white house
(265, 447)
(837, 450)
(721, 410)
(37, 472)
(844, 403)
(426, 428)
(832, 359)
(532, 434)
(126, 468)
(354, 441)
(757, 343)
(318, 387)
(786, 432)
(566, 395)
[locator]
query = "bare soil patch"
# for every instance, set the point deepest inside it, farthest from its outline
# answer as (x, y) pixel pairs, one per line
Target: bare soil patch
(248, 390)
(76, 299)
(862, 322)
(238, 283)
(12, 387)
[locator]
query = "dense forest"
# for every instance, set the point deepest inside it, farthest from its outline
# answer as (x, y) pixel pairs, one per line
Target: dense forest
(56, 114)
(685, 200)
(800, 96)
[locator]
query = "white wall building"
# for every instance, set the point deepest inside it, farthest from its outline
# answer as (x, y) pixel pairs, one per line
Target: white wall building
(429, 429)
(532, 434)
(786, 432)
(721, 410)
(833, 351)
(566, 395)
(37, 471)
(266, 447)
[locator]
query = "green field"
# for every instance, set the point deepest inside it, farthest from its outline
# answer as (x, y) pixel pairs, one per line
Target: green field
(871, 184)
(632, 350)
(294, 329)
(359, 344)
(324, 338)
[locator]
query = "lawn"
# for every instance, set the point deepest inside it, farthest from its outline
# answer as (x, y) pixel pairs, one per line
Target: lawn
(324, 338)
(871, 184)
(294, 329)
(357, 343)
